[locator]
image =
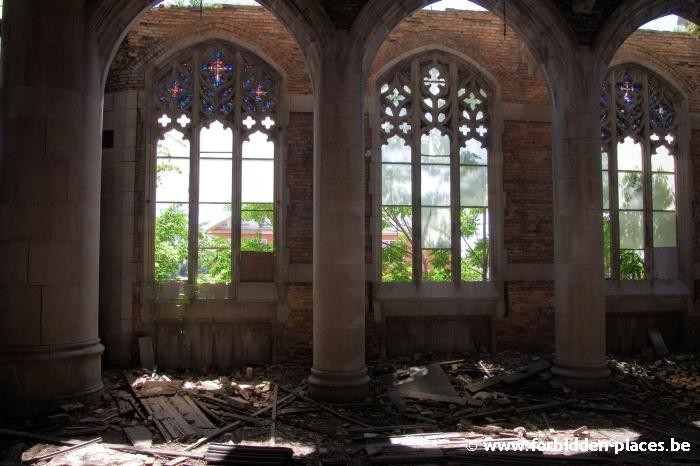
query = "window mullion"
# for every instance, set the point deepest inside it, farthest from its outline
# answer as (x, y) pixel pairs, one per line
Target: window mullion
(613, 189)
(415, 172)
(646, 186)
(193, 241)
(237, 169)
(454, 175)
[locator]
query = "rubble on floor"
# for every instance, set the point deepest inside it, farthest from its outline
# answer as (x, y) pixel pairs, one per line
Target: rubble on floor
(422, 410)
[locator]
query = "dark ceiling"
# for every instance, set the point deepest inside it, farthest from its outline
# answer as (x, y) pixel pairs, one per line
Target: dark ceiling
(585, 24)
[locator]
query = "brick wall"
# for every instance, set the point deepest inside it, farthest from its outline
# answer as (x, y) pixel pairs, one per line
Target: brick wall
(478, 36)
(673, 55)
(527, 182)
(529, 322)
(300, 186)
(162, 29)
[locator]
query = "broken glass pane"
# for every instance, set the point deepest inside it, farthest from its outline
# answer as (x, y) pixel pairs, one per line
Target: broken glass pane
(171, 241)
(257, 181)
(397, 244)
(215, 180)
(474, 229)
(437, 265)
(214, 259)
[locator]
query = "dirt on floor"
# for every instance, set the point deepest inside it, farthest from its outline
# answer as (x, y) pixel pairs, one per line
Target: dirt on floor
(504, 408)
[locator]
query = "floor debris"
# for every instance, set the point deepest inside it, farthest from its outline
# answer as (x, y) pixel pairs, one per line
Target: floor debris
(422, 409)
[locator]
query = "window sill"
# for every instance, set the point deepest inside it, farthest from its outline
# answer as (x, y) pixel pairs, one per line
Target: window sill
(438, 291)
(243, 292)
(661, 288)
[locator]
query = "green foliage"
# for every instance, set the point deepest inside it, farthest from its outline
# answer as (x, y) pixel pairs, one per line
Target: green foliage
(171, 242)
(631, 265)
(214, 259)
(437, 266)
(473, 229)
(255, 244)
(396, 261)
(396, 256)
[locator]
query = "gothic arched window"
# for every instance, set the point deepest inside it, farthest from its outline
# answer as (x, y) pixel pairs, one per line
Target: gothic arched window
(434, 127)
(639, 121)
(216, 125)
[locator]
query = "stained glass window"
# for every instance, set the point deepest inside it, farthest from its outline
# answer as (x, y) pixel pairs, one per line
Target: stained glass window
(639, 150)
(434, 128)
(216, 127)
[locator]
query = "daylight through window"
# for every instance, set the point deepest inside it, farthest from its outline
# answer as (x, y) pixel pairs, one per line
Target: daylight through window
(639, 160)
(215, 163)
(434, 126)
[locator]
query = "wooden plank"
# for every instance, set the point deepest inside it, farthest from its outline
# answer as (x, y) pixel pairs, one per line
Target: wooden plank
(65, 450)
(139, 436)
(287, 399)
(146, 356)
(192, 414)
(532, 369)
(176, 426)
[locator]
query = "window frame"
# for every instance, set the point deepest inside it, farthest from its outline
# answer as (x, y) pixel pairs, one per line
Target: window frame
(236, 289)
(682, 284)
(490, 289)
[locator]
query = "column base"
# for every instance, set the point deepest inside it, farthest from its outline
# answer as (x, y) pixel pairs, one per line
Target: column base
(37, 380)
(338, 387)
(583, 378)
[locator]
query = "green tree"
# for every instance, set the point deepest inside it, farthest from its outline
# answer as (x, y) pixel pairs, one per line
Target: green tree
(170, 242)
(396, 255)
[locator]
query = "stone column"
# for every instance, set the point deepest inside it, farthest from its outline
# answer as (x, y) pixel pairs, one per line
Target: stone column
(339, 372)
(50, 118)
(578, 235)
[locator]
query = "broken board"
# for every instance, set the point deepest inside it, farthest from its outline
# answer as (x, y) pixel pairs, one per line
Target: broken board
(179, 416)
(426, 383)
(139, 436)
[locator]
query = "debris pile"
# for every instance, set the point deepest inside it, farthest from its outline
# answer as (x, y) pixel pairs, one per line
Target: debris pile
(424, 409)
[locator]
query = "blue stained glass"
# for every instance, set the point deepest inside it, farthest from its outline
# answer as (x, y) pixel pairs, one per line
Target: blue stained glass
(163, 101)
(207, 107)
(218, 69)
(225, 108)
(185, 101)
(603, 101)
(227, 93)
(249, 103)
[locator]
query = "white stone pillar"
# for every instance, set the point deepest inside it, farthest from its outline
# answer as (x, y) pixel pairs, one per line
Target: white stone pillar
(578, 234)
(339, 372)
(50, 118)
